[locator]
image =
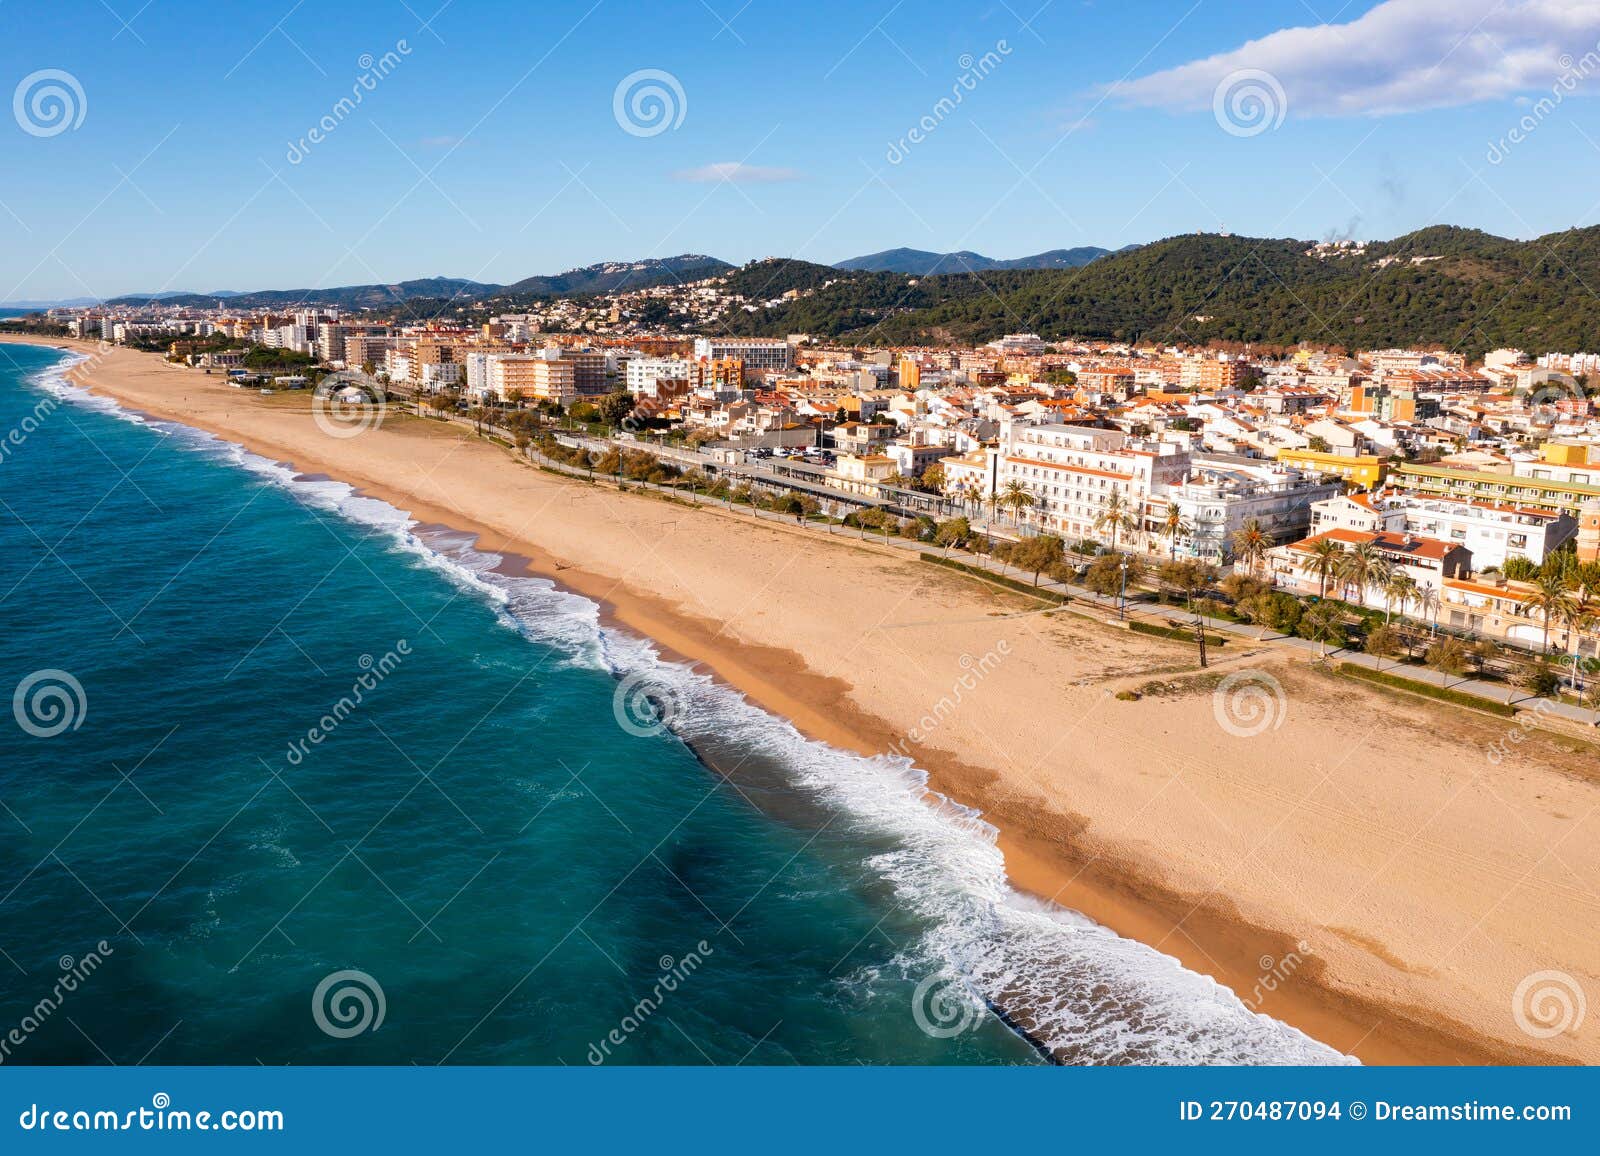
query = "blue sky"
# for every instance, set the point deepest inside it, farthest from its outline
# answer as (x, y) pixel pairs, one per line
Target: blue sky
(492, 150)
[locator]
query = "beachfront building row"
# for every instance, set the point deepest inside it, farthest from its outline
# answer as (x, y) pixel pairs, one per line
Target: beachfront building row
(1493, 533)
(1085, 482)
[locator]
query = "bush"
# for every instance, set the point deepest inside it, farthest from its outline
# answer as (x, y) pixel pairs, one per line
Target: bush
(1385, 642)
(1538, 678)
(1448, 655)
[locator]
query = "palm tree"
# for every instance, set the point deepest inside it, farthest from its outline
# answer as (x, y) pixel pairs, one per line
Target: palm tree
(1427, 598)
(1355, 567)
(1379, 573)
(1325, 557)
(1553, 600)
(1401, 588)
(1116, 516)
(1016, 498)
(1251, 543)
(1175, 526)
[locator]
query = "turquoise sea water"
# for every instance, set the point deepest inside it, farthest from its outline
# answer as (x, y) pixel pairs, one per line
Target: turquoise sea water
(304, 743)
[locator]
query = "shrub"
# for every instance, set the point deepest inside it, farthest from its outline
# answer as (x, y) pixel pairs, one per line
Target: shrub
(1448, 655)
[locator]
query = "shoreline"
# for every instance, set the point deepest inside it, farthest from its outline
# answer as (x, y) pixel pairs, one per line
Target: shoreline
(1216, 938)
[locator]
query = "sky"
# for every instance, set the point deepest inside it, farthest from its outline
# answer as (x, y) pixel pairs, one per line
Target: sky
(189, 146)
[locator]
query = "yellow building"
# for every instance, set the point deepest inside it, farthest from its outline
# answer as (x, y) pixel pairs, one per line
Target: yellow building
(1500, 489)
(1566, 453)
(1366, 470)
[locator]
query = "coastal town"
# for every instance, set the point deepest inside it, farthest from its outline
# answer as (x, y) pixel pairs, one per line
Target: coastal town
(1411, 485)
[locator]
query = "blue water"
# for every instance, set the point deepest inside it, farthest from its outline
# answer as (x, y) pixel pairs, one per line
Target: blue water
(526, 872)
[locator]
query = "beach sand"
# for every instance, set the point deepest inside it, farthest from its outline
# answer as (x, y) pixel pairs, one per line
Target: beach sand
(1362, 870)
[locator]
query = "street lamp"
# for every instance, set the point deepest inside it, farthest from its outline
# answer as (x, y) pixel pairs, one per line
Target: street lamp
(1122, 600)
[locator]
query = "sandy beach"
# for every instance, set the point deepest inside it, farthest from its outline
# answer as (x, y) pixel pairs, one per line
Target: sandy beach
(1365, 859)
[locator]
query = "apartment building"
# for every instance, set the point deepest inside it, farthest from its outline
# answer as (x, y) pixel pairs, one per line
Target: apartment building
(1497, 487)
(1427, 560)
(1073, 472)
(534, 376)
(1357, 469)
(645, 375)
(1218, 499)
(758, 354)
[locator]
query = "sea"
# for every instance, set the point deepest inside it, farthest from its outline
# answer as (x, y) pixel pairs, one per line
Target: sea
(291, 778)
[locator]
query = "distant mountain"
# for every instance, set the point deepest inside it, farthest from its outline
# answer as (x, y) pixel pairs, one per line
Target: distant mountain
(348, 297)
(618, 276)
(605, 277)
(65, 303)
(921, 263)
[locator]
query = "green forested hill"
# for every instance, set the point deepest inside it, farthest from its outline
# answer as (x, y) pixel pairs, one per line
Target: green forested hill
(1459, 288)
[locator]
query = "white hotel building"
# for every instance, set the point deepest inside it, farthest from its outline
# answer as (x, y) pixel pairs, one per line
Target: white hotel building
(759, 354)
(1073, 471)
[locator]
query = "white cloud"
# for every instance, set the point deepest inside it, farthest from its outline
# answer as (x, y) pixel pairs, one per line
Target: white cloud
(1402, 56)
(737, 173)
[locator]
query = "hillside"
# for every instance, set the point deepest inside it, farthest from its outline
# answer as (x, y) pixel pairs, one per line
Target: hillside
(617, 276)
(604, 277)
(1458, 288)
